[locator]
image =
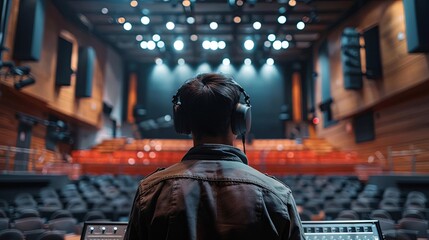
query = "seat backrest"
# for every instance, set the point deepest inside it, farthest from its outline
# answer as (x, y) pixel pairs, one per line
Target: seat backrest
(51, 235)
(30, 223)
(68, 225)
(11, 234)
(414, 224)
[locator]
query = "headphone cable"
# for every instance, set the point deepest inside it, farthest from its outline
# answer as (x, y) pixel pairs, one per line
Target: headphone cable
(243, 139)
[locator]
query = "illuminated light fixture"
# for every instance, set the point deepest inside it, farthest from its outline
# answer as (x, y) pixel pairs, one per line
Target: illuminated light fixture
(214, 25)
(121, 20)
(237, 19)
(281, 19)
(194, 37)
(214, 45)
(156, 37)
(288, 37)
(186, 3)
(222, 45)
(247, 61)
(270, 61)
(300, 25)
(145, 20)
(178, 45)
(267, 44)
(104, 11)
(239, 3)
(190, 20)
(151, 45)
(272, 37)
(292, 3)
(181, 61)
(128, 26)
(306, 19)
(226, 61)
(206, 44)
(160, 44)
(249, 44)
(285, 44)
(170, 25)
(134, 3)
(143, 44)
(277, 45)
(158, 61)
(282, 10)
(257, 25)
(139, 38)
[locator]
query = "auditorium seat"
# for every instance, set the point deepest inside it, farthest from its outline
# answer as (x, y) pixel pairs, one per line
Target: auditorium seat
(94, 215)
(392, 193)
(3, 214)
(413, 213)
(33, 234)
(4, 223)
(51, 235)
(380, 214)
(27, 213)
(414, 224)
(400, 234)
(347, 215)
(61, 213)
(68, 225)
(11, 234)
(30, 223)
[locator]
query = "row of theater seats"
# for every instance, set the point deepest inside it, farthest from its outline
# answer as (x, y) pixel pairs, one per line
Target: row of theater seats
(109, 198)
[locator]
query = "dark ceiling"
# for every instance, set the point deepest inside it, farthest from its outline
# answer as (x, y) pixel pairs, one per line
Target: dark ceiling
(102, 18)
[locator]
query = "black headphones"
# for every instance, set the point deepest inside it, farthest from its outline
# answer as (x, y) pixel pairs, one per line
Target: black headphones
(240, 118)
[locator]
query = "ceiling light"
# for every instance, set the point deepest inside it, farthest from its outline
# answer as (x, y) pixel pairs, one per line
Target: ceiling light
(288, 37)
(190, 20)
(139, 37)
(145, 20)
(170, 25)
(178, 45)
(257, 25)
(158, 61)
(160, 44)
(104, 11)
(128, 26)
(226, 61)
(121, 20)
(206, 44)
(143, 44)
(281, 19)
(156, 37)
(134, 3)
(247, 61)
(186, 3)
(181, 61)
(282, 10)
(194, 37)
(271, 37)
(237, 19)
(292, 3)
(249, 44)
(270, 61)
(222, 44)
(267, 44)
(239, 3)
(213, 25)
(277, 45)
(213, 45)
(300, 25)
(151, 45)
(285, 44)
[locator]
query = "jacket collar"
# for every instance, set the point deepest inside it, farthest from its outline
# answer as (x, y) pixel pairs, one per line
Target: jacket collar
(215, 152)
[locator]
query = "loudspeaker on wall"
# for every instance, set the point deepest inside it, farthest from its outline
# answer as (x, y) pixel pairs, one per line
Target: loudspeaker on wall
(417, 29)
(350, 58)
(64, 55)
(85, 72)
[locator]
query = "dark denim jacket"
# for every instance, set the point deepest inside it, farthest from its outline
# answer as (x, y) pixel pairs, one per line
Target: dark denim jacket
(213, 194)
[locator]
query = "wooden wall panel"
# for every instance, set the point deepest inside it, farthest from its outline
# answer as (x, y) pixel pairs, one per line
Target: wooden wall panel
(399, 100)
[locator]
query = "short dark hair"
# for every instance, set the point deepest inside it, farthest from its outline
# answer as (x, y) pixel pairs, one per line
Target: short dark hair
(208, 101)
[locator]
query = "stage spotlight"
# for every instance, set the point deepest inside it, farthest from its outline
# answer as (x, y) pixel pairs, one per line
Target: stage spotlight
(237, 19)
(249, 44)
(178, 45)
(145, 20)
(214, 45)
(222, 44)
(285, 44)
(156, 37)
(206, 44)
(214, 25)
(190, 20)
(128, 26)
(160, 44)
(300, 25)
(181, 61)
(271, 37)
(270, 61)
(158, 61)
(257, 25)
(247, 61)
(194, 37)
(277, 45)
(151, 45)
(186, 3)
(281, 19)
(226, 61)
(267, 44)
(134, 3)
(289, 37)
(143, 44)
(121, 20)
(139, 38)
(24, 83)
(104, 11)
(292, 3)
(170, 25)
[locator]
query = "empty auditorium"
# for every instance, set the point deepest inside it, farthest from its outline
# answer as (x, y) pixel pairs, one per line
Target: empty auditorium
(214, 119)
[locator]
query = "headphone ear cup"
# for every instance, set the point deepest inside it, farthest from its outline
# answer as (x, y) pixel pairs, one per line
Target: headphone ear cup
(180, 124)
(241, 119)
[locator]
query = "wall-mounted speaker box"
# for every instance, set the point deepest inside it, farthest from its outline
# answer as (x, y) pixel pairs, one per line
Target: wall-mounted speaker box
(363, 126)
(85, 72)
(416, 25)
(29, 30)
(64, 55)
(5, 12)
(107, 108)
(350, 59)
(372, 52)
